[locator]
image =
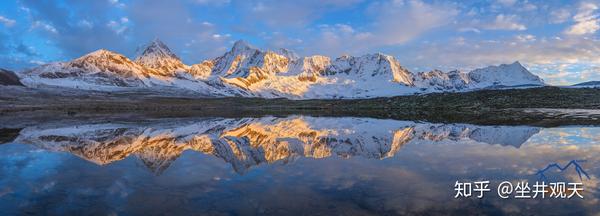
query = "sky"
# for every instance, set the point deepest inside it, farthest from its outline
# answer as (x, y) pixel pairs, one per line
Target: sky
(555, 39)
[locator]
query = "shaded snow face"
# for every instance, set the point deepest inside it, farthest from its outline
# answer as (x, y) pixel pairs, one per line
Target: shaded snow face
(250, 72)
(504, 75)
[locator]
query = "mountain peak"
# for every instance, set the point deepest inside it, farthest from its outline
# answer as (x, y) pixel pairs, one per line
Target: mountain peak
(505, 75)
(101, 52)
(516, 64)
(241, 45)
(156, 49)
(157, 55)
(291, 55)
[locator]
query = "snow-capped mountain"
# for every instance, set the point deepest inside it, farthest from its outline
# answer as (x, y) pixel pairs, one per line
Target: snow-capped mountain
(590, 84)
(101, 68)
(248, 142)
(371, 66)
(158, 56)
(109, 71)
(504, 75)
(251, 72)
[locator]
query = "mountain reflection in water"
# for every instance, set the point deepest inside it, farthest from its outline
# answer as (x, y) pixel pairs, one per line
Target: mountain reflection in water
(296, 165)
(249, 142)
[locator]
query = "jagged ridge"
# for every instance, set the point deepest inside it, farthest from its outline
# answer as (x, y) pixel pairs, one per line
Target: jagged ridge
(249, 71)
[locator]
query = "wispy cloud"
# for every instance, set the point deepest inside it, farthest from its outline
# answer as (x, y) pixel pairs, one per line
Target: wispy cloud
(44, 26)
(7, 22)
(586, 20)
(506, 22)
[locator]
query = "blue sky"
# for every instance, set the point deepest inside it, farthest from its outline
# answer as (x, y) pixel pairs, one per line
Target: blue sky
(557, 40)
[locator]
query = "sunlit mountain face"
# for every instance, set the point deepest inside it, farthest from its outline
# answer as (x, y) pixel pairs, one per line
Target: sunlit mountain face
(247, 71)
(286, 165)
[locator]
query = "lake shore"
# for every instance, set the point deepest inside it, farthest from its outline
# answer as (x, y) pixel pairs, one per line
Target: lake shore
(546, 106)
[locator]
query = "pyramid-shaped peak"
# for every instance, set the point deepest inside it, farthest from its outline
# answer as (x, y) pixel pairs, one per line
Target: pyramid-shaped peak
(157, 40)
(241, 45)
(516, 64)
(156, 48)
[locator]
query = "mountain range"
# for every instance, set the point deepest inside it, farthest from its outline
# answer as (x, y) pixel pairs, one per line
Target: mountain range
(247, 71)
(592, 84)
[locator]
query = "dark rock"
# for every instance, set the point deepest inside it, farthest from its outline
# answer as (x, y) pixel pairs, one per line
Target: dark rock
(9, 78)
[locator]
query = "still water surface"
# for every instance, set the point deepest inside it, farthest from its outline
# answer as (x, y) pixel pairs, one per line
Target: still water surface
(292, 165)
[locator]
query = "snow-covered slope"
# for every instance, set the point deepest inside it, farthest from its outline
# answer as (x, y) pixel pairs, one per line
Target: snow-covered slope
(371, 66)
(156, 55)
(248, 71)
(437, 80)
(108, 71)
(101, 68)
(504, 75)
(590, 84)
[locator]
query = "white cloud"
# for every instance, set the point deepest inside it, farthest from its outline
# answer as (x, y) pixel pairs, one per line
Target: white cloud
(586, 20)
(525, 38)
(37, 62)
(43, 26)
(7, 22)
(85, 24)
(536, 52)
(393, 23)
(221, 36)
(278, 40)
(119, 26)
(469, 29)
(506, 22)
(400, 21)
(341, 39)
(116, 3)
